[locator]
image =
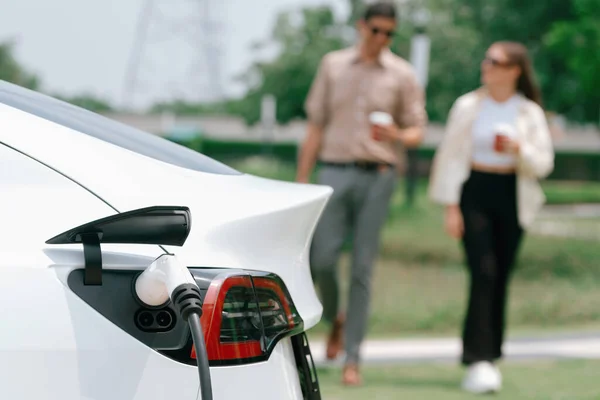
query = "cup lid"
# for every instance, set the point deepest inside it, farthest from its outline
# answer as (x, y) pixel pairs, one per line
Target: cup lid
(379, 117)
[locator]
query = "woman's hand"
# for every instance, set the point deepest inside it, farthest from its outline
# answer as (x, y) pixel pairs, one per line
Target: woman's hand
(454, 222)
(508, 145)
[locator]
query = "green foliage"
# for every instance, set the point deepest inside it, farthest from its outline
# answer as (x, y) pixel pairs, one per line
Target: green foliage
(303, 38)
(462, 30)
(180, 107)
(12, 71)
(228, 151)
(562, 36)
(87, 101)
(356, 9)
(577, 41)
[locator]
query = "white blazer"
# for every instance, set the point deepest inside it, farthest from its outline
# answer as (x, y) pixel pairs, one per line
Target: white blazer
(452, 161)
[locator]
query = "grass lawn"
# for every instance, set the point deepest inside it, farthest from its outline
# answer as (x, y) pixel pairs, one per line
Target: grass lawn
(414, 299)
(530, 380)
(572, 192)
(420, 282)
(582, 227)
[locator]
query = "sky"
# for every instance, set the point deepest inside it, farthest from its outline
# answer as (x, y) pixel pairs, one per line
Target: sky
(84, 46)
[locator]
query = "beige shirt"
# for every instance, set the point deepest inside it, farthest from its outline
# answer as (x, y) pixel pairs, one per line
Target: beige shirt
(452, 162)
(345, 91)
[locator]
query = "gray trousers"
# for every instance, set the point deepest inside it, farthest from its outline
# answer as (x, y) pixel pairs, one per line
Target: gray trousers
(358, 206)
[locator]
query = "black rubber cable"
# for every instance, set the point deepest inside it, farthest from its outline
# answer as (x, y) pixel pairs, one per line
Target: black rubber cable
(201, 356)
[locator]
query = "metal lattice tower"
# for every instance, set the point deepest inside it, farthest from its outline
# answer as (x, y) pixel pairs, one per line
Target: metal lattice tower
(177, 53)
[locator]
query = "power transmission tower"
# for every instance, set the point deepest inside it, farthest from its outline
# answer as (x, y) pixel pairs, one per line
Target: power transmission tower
(176, 53)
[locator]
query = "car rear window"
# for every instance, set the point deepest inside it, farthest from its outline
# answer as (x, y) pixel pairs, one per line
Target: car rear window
(108, 130)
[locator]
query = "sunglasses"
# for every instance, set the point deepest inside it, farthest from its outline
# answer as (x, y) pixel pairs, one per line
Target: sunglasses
(377, 31)
(497, 63)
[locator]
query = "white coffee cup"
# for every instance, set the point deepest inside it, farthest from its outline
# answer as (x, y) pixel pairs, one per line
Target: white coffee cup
(505, 129)
(379, 118)
(502, 131)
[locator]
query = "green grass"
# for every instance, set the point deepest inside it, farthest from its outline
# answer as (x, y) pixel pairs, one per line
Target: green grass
(420, 282)
(531, 380)
(417, 299)
(572, 192)
(417, 236)
(561, 225)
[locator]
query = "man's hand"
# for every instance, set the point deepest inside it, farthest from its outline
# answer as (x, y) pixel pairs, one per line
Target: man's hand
(386, 133)
(410, 137)
(308, 153)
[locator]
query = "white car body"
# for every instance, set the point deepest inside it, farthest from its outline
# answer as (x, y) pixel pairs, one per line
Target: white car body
(54, 177)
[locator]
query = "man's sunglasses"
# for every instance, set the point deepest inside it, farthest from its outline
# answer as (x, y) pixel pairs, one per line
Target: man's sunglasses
(497, 63)
(377, 31)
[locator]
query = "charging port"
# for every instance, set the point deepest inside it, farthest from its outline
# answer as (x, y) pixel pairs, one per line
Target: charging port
(145, 319)
(154, 320)
(164, 319)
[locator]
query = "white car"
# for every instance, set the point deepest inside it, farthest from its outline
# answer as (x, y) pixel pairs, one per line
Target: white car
(86, 205)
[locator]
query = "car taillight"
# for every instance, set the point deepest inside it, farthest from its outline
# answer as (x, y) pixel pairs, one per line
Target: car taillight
(244, 316)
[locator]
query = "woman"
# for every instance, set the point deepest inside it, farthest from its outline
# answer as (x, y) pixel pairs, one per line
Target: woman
(485, 172)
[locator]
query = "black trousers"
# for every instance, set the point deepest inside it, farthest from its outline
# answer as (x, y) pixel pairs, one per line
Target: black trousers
(491, 240)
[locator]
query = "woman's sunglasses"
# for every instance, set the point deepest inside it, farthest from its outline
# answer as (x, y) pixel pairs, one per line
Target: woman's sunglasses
(497, 63)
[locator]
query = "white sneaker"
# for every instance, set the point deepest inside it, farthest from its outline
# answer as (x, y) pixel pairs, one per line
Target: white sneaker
(482, 377)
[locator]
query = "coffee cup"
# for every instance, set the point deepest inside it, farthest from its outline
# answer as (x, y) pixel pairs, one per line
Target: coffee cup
(378, 119)
(503, 132)
(498, 142)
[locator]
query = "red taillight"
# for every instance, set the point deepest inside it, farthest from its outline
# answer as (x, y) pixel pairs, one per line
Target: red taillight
(244, 316)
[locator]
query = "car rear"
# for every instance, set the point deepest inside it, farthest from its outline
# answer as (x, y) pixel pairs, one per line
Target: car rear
(248, 250)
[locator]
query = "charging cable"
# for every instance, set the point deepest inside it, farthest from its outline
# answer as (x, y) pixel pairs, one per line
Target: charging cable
(166, 278)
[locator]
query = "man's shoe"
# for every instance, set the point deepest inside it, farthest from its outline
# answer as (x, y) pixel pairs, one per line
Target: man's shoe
(335, 340)
(351, 375)
(482, 378)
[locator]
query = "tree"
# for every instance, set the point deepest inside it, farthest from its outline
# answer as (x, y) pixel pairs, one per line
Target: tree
(461, 31)
(577, 41)
(303, 38)
(356, 9)
(562, 35)
(12, 71)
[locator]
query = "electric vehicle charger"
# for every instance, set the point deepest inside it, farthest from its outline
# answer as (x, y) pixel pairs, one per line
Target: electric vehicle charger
(166, 278)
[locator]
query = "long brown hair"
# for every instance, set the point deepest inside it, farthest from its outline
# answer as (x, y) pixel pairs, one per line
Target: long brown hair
(518, 55)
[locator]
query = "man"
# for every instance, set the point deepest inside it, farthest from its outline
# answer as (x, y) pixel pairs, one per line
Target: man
(358, 164)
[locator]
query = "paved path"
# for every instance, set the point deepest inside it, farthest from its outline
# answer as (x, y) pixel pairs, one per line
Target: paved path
(576, 221)
(571, 210)
(448, 349)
